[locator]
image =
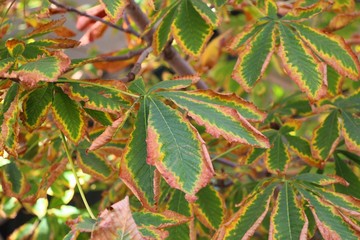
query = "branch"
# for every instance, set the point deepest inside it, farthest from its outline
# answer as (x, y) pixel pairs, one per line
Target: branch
(95, 18)
(137, 66)
(170, 55)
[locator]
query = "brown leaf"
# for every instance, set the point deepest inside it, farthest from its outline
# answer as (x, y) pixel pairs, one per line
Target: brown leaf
(93, 33)
(84, 22)
(342, 20)
(64, 32)
(117, 223)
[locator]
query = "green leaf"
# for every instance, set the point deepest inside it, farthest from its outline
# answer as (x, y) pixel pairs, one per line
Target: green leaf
(253, 155)
(206, 13)
(303, 13)
(97, 98)
(288, 220)
(15, 47)
(171, 85)
(13, 181)
(326, 136)
(344, 171)
(351, 130)
(102, 117)
(350, 102)
(320, 179)
(271, 9)
(301, 64)
(218, 120)
(328, 219)
(277, 157)
(255, 57)
(332, 49)
(301, 147)
(190, 30)
(137, 86)
(247, 109)
(43, 69)
(136, 173)
(114, 8)
(246, 220)
(68, 116)
(159, 220)
(5, 64)
(335, 81)
(163, 31)
(36, 106)
(178, 203)
(94, 164)
(176, 149)
(209, 207)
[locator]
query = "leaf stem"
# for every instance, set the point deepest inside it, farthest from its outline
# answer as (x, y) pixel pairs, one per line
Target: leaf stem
(76, 177)
(224, 153)
(97, 85)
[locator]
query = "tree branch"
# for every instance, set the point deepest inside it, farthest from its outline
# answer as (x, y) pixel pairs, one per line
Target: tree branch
(95, 18)
(137, 66)
(170, 55)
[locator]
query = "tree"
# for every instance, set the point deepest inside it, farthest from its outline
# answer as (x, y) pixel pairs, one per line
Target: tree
(221, 119)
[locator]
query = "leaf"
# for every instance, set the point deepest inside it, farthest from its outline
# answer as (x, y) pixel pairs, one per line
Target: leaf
(177, 203)
(95, 165)
(328, 220)
(206, 13)
(190, 30)
(349, 103)
(304, 13)
(247, 219)
(320, 179)
(288, 219)
(247, 109)
(159, 220)
(301, 64)
(15, 47)
(171, 84)
(97, 97)
(332, 49)
(350, 130)
(56, 43)
(137, 86)
(335, 82)
(253, 155)
(176, 149)
(218, 120)
(108, 134)
(344, 171)
(43, 69)
(277, 157)
(5, 64)
(68, 116)
(255, 57)
(301, 147)
(102, 117)
(163, 31)
(13, 181)
(271, 9)
(343, 5)
(114, 8)
(46, 28)
(36, 106)
(326, 136)
(342, 20)
(209, 207)
(134, 170)
(116, 223)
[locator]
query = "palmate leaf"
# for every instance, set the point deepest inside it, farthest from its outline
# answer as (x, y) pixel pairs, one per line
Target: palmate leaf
(328, 220)
(320, 179)
(301, 64)
(301, 13)
(349, 103)
(134, 170)
(114, 8)
(209, 16)
(209, 207)
(326, 136)
(13, 181)
(332, 49)
(176, 149)
(343, 170)
(350, 130)
(277, 157)
(5, 64)
(218, 116)
(302, 148)
(171, 85)
(288, 219)
(36, 106)
(335, 81)
(68, 116)
(164, 219)
(271, 9)
(255, 57)
(250, 215)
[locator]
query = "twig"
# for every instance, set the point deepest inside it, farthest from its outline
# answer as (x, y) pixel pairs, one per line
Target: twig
(137, 66)
(226, 162)
(170, 55)
(95, 18)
